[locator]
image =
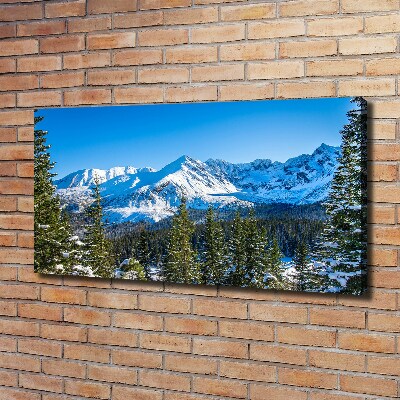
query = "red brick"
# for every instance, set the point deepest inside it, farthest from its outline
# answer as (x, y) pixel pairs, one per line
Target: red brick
(340, 318)
(25, 134)
(63, 332)
(87, 317)
(88, 60)
(87, 96)
(39, 99)
(106, 7)
(113, 337)
(64, 368)
(366, 342)
(384, 322)
(16, 82)
(165, 342)
(86, 353)
(112, 300)
(21, 12)
(24, 222)
(19, 362)
(63, 295)
(137, 358)
(307, 7)
(112, 374)
(89, 24)
(196, 365)
(40, 311)
(39, 347)
(8, 239)
(138, 321)
(41, 63)
(267, 312)
(38, 382)
(163, 37)
(67, 9)
(8, 135)
(7, 31)
(138, 20)
(218, 34)
(139, 94)
(15, 394)
(190, 326)
(7, 308)
(25, 204)
(384, 365)
(62, 44)
(111, 40)
(368, 385)
(163, 75)
(247, 371)
(115, 77)
(123, 393)
(306, 337)
(156, 4)
(222, 348)
(220, 387)
(334, 360)
(137, 57)
(7, 65)
(16, 118)
(279, 354)
(87, 389)
(191, 16)
(62, 79)
(276, 29)
(259, 392)
(218, 308)
(163, 380)
(313, 379)
(8, 378)
(42, 28)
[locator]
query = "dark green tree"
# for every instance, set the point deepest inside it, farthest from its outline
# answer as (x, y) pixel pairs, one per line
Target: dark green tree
(273, 261)
(181, 264)
(143, 253)
(98, 249)
(214, 260)
(134, 270)
(237, 253)
(254, 242)
(51, 228)
(344, 238)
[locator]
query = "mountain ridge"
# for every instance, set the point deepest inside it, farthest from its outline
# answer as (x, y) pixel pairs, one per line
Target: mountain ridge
(136, 194)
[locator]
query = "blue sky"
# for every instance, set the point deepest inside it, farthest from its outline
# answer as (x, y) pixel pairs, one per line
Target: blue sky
(154, 135)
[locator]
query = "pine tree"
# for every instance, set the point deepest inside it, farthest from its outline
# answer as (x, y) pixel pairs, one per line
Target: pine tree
(181, 264)
(52, 230)
(254, 240)
(143, 254)
(134, 270)
(345, 237)
(98, 249)
(273, 261)
(307, 276)
(214, 263)
(237, 251)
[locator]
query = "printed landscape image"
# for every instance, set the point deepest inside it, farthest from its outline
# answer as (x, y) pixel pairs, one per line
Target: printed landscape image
(266, 194)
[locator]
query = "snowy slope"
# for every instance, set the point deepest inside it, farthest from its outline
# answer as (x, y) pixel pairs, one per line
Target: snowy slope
(132, 194)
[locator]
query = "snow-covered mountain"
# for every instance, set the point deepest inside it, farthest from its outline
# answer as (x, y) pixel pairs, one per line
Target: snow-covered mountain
(135, 194)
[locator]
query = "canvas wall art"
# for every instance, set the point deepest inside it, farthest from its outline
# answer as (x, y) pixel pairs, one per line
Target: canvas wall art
(266, 194)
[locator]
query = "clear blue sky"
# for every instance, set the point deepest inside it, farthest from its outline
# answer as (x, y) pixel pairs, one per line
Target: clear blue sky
(154, 135)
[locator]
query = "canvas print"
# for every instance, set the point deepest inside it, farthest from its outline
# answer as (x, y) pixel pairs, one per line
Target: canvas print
(264, 194)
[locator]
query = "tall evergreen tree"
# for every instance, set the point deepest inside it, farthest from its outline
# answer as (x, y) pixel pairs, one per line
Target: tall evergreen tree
(181, 264)
(345, 236)
(52, 230)
(98, 249)
(274, 256)
(214, 262)
(143, 254)
(254, 241)
(307, 275)
(237, 252)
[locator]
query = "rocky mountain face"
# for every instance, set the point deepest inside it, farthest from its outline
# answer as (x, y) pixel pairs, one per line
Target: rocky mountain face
(137, 194)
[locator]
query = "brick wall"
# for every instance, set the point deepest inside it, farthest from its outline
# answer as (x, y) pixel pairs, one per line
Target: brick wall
(65, 338)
